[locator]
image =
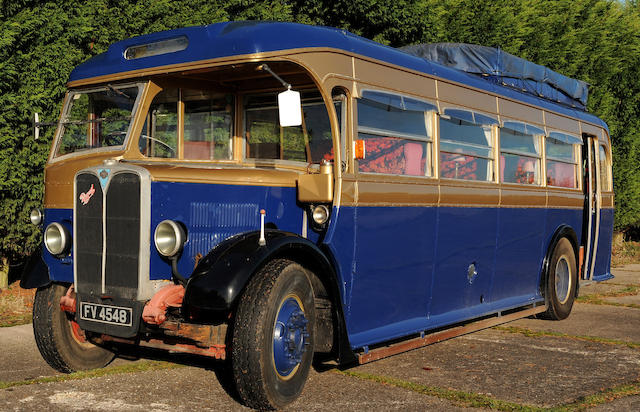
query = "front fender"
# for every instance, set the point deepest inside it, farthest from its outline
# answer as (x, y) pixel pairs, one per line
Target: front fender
(220, 277)
(36, 272)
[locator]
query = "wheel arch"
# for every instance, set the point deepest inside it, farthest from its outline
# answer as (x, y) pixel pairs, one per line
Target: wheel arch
(563, 231)
(220, 278)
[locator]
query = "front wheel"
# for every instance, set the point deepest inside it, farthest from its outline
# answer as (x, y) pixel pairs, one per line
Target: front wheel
(273, 335)
(562, 281)
(59, 338)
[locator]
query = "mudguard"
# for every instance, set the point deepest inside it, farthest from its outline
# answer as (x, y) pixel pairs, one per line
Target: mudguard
(221, 276)
(36, 272)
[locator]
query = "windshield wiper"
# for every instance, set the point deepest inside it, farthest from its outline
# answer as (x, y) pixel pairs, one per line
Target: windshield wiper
(119, 92)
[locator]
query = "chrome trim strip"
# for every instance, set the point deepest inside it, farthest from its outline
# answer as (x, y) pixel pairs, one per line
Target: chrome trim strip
(105, 189)
(74, 246)
(588, 274)
(146, 287)
(598, 205)
(304, 223)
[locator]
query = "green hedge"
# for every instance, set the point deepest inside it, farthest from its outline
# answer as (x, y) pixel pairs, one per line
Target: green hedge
(41, 42)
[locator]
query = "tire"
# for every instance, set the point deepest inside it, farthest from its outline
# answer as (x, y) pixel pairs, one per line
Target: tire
(58, 337)
(562, 281)
(278, 298)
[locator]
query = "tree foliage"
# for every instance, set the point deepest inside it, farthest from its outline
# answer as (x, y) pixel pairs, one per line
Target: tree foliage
(41, 42)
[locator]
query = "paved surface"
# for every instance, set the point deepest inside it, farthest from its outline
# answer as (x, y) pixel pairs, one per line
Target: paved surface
(527, 362)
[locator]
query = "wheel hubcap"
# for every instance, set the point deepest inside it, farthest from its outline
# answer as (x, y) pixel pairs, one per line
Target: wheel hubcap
(563, 280)
(290, 337)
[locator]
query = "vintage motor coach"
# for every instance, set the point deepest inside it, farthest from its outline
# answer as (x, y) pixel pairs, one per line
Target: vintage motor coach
(262, 192)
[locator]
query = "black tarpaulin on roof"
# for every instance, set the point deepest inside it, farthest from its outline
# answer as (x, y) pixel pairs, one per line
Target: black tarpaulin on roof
(500, 67)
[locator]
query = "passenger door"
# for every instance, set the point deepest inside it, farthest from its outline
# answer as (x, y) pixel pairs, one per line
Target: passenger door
(592, 205)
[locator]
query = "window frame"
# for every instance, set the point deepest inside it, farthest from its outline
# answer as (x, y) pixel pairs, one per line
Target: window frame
(492, 123)
(429, 139)
(241, 117)
(576, 144)
(541, 181)
(180, 124)
(232, 131)
(607, 164)
(57, 140)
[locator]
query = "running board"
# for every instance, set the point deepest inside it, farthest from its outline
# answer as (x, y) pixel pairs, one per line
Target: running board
(394, 349)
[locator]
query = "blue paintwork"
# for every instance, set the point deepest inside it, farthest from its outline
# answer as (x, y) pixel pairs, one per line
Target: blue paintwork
(524, 243)
(60, 269)
(603, 277)
(466, 236)
(390, 285)
(603, 254)
(405, 269)
(238, 38)
(212, 213)
(391, 281)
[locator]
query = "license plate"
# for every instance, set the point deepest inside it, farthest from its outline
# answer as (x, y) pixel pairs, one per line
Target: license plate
(113, 315)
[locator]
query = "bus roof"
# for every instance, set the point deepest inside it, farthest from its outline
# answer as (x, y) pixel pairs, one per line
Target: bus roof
(249, 37)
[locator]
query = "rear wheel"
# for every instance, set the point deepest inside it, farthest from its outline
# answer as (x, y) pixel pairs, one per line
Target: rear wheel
(60, 341)
(273, 337)
(562, 281)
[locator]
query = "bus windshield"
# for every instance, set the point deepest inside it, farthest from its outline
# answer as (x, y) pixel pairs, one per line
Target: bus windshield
(97, 118)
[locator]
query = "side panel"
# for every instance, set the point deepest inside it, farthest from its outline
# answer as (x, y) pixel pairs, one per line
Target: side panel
(521, 242)
(399, 277)
(519, 252)
(393, 267)
(465, 258)
(557, 217)
(214, 212)
(340, 241)
(605, 239)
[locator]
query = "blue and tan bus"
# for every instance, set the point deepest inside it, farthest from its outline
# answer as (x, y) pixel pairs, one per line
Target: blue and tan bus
(260, 192)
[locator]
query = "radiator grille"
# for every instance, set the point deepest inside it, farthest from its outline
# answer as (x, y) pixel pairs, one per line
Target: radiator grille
(88, 233)
(109, 222)
(123, 236)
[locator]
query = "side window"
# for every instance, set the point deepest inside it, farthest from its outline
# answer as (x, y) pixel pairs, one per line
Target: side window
(159, 136)
(466, 145)
(208, 126)
(520, 153)
(561, 161)
(605, 185)
(266, 139)
(397, 134)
